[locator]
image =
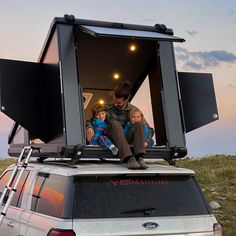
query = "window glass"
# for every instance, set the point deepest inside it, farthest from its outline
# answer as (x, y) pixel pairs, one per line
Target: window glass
(48, 195)
(142, 100)
(137, 196)
(17, 198)
(36, 192)
(3, 181)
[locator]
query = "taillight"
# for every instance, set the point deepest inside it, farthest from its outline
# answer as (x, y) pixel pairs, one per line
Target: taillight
(217, 229)
(61, 232)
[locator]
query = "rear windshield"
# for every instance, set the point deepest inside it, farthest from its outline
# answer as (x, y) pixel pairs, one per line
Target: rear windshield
(139, 196)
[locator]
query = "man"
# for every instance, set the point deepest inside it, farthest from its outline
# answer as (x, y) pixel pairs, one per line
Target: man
(118, 115)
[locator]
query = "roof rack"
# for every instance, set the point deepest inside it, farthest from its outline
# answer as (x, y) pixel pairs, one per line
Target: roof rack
(76, 153)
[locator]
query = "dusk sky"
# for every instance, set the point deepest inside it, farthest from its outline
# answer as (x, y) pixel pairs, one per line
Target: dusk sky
(208, 26)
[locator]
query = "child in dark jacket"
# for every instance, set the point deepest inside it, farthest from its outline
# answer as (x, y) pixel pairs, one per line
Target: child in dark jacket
(99, 123)
(135, 115)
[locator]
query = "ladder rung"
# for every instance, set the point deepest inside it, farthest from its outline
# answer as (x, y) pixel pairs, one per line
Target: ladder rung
(23, 163)
(8, 188)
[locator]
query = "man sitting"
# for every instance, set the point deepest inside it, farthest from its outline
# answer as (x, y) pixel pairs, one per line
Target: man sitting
(117, 116)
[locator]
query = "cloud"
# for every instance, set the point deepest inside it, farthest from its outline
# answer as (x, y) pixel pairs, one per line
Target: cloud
(231, 85)
(232, 12)
(201, 60)
(191, 32)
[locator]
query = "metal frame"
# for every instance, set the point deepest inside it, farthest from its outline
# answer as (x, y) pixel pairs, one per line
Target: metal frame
(170, 97)
(72, 97)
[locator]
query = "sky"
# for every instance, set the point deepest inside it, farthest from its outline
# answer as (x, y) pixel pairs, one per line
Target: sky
(208, 26)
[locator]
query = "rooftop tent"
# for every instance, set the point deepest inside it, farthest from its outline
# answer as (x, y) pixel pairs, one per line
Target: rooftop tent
(108, 50)
(84, 55)
(76, 68)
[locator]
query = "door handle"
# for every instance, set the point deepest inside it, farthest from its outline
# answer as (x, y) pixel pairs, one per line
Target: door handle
(10, 224)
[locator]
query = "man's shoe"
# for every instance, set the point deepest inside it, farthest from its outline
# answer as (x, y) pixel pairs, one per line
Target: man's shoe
(142, 163)
(132, 163)
(114, 150)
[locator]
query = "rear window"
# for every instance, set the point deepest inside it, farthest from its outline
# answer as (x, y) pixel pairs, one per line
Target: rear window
(139, 196)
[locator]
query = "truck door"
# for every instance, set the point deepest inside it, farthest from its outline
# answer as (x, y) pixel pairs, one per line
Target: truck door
(11, 222)
(198, 99)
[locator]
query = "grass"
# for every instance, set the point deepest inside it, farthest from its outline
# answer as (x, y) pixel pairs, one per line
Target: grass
(4, 163)
(217, 178)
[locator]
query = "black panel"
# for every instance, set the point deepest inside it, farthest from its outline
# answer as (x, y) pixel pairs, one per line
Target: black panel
(30, 95)
(198, 98)
(53, 121)
(129, 33)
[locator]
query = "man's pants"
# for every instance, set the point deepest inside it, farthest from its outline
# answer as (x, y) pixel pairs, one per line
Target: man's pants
(135, 136)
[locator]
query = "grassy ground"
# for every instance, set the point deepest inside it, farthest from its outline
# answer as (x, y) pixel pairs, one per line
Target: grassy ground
(4, 163)
(217, 177)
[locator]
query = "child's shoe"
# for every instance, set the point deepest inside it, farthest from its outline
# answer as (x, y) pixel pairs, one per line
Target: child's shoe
(114, 150)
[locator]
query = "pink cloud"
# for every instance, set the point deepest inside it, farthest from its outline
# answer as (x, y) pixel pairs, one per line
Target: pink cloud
(216, 138)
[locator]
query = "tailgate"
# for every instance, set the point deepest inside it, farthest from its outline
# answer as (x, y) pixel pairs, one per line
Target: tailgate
(190, 225)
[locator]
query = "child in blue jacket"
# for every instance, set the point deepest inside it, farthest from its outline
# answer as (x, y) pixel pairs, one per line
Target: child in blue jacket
(99, 123)
(135, 116)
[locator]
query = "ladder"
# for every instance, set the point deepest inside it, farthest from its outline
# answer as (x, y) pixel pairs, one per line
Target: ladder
(21, 162)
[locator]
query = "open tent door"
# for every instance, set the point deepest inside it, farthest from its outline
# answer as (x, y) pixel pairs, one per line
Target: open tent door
(30, 95)
(129, 33)
(198, 99)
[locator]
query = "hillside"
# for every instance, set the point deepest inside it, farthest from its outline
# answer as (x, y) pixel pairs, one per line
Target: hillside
(217, 177)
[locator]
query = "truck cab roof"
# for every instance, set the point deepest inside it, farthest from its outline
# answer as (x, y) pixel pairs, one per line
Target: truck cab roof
(97, 167)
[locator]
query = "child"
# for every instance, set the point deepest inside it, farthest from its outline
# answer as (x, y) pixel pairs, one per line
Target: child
(136, 115)
(99, 124)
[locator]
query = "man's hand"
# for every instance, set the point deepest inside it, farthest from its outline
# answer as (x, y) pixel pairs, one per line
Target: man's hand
(89, 133)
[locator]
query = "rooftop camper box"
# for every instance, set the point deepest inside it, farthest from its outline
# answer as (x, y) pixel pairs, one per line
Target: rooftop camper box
(50, 100)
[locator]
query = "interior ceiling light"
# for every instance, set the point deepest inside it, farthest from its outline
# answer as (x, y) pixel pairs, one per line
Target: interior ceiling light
(132, 47)
(101, 101)
(116, 76)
